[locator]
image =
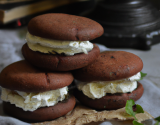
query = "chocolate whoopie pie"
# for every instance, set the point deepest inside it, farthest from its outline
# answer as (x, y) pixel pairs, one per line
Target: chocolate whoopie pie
(60, 42)
(110, 80)
(34, 95)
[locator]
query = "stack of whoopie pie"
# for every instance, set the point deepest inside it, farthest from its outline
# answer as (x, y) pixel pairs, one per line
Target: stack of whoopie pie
(110, 80)
(36, 89)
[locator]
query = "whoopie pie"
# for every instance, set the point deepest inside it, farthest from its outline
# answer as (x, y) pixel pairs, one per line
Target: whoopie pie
(34, 95)
(110, 80)
(61, 42)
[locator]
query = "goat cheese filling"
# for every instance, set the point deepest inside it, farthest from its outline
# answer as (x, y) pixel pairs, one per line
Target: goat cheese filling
(68, 48)
(98, 89)
(33, 101)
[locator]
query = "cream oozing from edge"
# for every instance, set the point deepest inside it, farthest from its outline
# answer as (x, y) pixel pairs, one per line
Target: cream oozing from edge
(69, 48)
(98, 89)
(33, 101)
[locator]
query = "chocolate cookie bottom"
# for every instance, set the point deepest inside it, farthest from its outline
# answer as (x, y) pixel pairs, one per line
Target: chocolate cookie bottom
(56, 62)
(110, 101)
(41, 114)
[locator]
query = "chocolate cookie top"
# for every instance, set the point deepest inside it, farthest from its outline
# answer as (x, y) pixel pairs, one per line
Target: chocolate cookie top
(22, 76)
(109, 66)
(64, 27)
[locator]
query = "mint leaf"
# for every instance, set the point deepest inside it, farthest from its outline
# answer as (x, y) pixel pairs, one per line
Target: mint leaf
(136, 123)
(139, 109)
(157, 123)
(129, 108)
(158, 118)
(142, 75)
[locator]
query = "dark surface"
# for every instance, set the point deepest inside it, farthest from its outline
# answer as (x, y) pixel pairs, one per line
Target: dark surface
(8, 6)
(109, 66)
(156, 3)
(136, 20)
(22, 76)
(76, 9)
(110, 101)
(126, 17)
(41, 114)
(126, 23)
(56, 62)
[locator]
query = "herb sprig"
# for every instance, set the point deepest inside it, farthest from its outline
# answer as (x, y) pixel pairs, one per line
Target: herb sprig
(129, 109)
(158, 120)
(142, 75)
(133, 109)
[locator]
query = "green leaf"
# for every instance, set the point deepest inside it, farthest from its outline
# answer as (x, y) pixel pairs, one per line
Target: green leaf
(139, 109)
(142, 75)
(157, 123)
(158, 118)
(136, 123)
(129, 108)
(130, 104)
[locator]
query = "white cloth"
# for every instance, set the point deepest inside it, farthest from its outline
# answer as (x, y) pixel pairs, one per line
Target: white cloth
(10, 46)
(11, 42)
(11, 121)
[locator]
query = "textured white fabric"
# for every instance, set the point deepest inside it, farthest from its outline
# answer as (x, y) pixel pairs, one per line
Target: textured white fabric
(11, 121)
(11, 42)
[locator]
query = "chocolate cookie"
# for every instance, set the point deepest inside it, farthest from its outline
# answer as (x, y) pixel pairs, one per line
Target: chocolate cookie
(41, 114)
(109, 66)
(55, 62)
(23, 76)
(64, 27)
(110, 101)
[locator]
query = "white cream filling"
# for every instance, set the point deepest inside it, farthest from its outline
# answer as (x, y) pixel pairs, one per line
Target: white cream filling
(98, 89)
(33, 101)
(43, 45)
